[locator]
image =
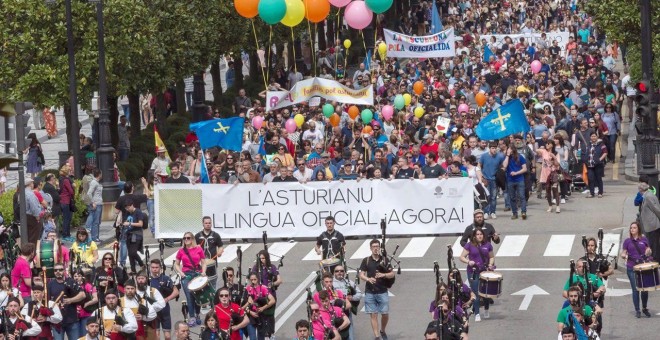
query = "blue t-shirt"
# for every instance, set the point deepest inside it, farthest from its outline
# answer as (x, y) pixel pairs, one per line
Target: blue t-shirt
(490, 164)
(515, 166)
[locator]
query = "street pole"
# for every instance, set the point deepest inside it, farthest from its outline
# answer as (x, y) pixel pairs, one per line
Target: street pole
(199, 95)
(73, 96)
(647, 145)
(106, 152)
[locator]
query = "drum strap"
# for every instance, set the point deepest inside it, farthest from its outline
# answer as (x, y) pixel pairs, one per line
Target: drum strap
(483, 259)
(641, 255)
(192, 263)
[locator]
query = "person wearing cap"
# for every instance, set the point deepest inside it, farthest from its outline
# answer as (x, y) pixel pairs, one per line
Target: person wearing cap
(346, 173)
(13, 316)
(479, 222)
(160, 163)
(72, 294)
(327, 167)
(44, 320)
(119, 323)
(429, 145)
(145, 307)
(93, 330)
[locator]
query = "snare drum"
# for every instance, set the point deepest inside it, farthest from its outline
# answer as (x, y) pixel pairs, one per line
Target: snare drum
(202, 292)
(47, 252)
(328, 265)
(646, 276)
(490, 284)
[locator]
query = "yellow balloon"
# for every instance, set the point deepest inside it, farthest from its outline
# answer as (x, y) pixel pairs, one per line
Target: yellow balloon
(347, 44)
(295, 13)
(419, 112)
(299, 119)
(382, 49)
(406, 99)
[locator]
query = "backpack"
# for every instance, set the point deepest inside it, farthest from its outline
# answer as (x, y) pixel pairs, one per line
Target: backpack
(87, 199)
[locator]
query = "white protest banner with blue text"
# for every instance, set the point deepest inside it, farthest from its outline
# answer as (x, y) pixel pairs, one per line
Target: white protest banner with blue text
(438, 45)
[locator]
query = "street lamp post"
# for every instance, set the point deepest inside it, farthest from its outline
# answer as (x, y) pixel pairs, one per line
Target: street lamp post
(73, 96)
(106, 152)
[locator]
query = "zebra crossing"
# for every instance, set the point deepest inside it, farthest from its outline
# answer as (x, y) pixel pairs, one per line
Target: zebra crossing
(557, 245)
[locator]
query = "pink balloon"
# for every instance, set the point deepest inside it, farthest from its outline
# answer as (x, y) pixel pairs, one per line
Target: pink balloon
(358, 15)
(290, 125)
(257, 122)
(463, 108)
(536, 66)
(387, 111)
(339, 3)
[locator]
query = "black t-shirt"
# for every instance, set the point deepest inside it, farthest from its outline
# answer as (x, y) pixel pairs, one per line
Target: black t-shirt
(210, 244)
(331, 244)
(134, 217)
(70, 289)
(554, 51)
(137, 199)
(370, 266)
(433, 171)
(182, 179)
(406, 173)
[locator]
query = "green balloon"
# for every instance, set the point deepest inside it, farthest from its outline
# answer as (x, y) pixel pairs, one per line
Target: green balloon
(367, 116)
(328, 110)
(379, 6)
(399, 103)
(272, 11)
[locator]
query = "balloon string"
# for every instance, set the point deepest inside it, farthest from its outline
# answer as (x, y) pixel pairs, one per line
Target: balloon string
(293, 43)
(316, 31)
(256, 42)
(311, 40)
(270, 50)
(364, 43)
(334, 43)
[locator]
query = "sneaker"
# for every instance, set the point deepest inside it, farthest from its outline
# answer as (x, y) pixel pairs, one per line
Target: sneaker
(549, 209)
(486, 314)
(646, 312)
(600, 195)
(507, 209)
(198, 321)
(590, 196)
(514, 217)
(477, 318)
(493, 216)
(638, 314)
(486, 216)
(192, 322)
(98, 241)
(383, 335)
(524, 216)
(558, 210)
(563, 201)
(586, 191)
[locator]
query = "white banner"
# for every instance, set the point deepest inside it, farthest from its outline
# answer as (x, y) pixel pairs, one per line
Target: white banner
(307, 89)
(295, 210)
(561, 37)
(438, 45)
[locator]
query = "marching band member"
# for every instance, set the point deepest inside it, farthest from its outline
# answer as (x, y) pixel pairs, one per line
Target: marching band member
(478, 255)
(7, 291)
(574, 294)
(441, 295)
(352, 292)
(259, 303)
(230, 316)
(45, 315)
(85, 249)
(181, 330)
(479, 223)
(464, 295)
(636, 250)
(189, 264)
(335, 315)
(211, 243)
(152, 299)
(448, 325)
(330, 243)
(374, 270)
(86, 309)
(92, 330)
(21, 274)
(22, 325)
(110, 276)
(69, 294)
(62, 252)
(144, 311)
(302, 330)
(169, 291)
(269, 276)
(581, 327)
(235, 293)
(211, 330)
(118, 322)
(594, 260)
(321, 326)
(595, 284)
(337, 297)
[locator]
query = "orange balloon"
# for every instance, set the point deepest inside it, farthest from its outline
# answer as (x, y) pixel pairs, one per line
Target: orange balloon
(367, 129)
(418, 87)
(480, 98)
(247, 8)
(334, 120)
(316, 10)
(353, 112)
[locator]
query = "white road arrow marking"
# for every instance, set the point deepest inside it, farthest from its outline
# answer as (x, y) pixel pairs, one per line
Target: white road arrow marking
(528, 294)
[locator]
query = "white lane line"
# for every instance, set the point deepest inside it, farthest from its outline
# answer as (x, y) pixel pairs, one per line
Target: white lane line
(364, 250)
(301, 288)
(279, 249)
(608, 239)
(287, 315)
(457, 248)
(415, 270)
(312, 256)
(417, 247)
(170, 259)
(559, 245)
(512, 245)
(230, 252)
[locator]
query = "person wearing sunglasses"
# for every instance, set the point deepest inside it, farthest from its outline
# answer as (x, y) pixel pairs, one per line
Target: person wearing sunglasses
(189, 264)
(72, 294)
(229, 314)
(109, 276)
(321, 326)
(261, 309)
(351, 290)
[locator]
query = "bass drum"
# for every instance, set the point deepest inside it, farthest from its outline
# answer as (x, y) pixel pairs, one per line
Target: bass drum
(47, 252)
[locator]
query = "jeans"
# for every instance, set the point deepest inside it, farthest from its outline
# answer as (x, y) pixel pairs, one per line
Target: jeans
(190, 298)
(67, 215)
(82, 324)
(71, 330)
(122, 154)
(595, 176)
(473, 280)
(189, 100)
(252, 332)
(635, 292)
(127, 112)
(123, 253)
(492, 197)
(516, 192)
(611, 146)
(507, 198)
(94, 220)
(151, 210)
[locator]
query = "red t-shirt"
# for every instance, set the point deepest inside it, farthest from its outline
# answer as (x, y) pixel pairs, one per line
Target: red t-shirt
(20, 271)
(224, 316)
(197, 254)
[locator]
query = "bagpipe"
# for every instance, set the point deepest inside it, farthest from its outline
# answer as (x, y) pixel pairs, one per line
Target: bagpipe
(385, 263)
(327, 331)
(269, 273)
(603, 261)
(17, 328)
(9, 249)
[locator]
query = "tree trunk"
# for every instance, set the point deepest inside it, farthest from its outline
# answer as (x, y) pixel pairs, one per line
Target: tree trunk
(291, 60)
(238, 73)
(330, 30)
(255, 67)
(114, 118)
(136, 116)
(180, 91)
(67, 119)
(320, 33)
(217, 83)
(161, 115)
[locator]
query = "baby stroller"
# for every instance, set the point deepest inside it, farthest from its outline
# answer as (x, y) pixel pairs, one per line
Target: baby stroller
(578, 183)
(480, 196)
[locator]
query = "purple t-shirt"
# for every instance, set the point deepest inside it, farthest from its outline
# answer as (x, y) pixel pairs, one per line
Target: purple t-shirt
(478, 255)
(436, 311)
(634, 256)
